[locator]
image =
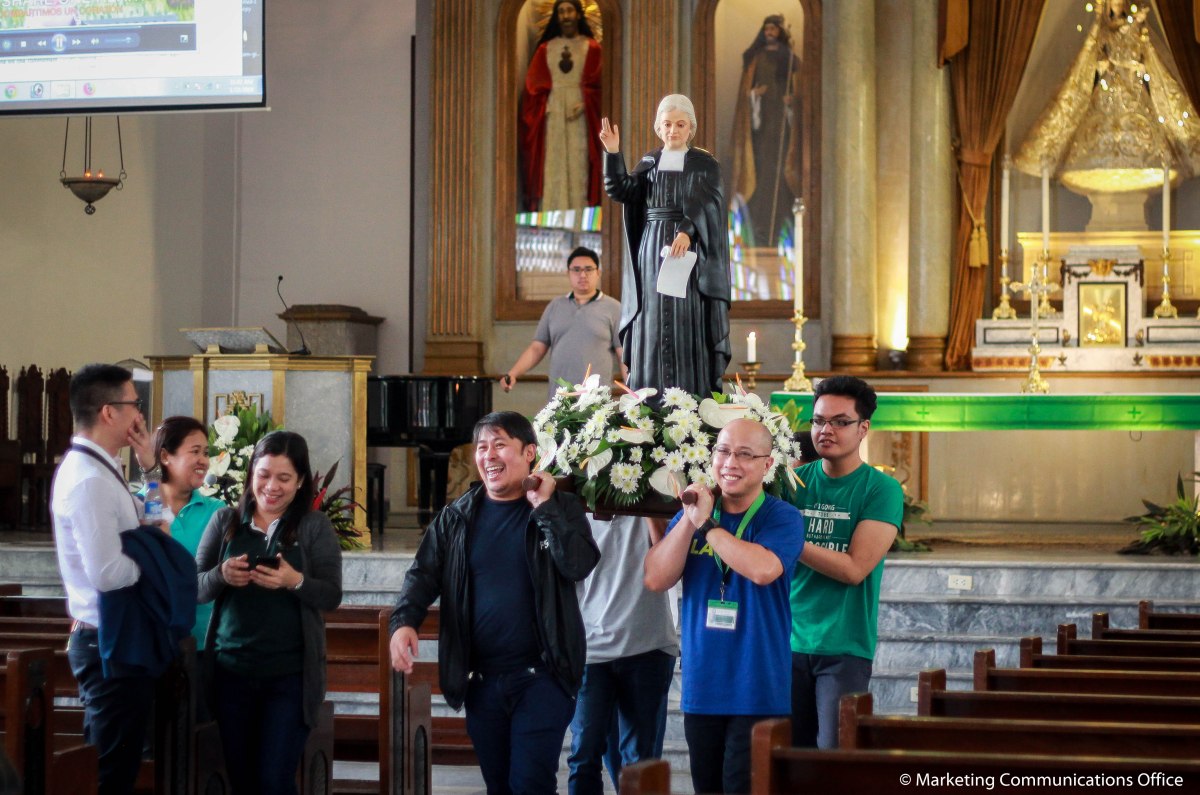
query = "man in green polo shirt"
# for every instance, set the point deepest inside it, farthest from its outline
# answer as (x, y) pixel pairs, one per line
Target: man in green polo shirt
(851, 514)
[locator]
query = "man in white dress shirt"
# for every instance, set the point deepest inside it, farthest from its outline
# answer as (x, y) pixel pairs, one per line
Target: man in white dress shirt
(91, 505)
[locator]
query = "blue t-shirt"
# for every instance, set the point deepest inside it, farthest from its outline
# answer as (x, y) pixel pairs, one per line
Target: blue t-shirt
(747, 670)
(503, 613)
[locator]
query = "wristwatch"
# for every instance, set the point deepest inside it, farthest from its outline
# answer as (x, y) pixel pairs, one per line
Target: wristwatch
(296, 587)
(703, 529)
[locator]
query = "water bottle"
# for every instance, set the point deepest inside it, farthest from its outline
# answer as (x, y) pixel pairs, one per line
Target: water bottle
(153, 503)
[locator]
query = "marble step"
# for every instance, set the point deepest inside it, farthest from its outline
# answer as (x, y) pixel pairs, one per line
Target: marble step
(894, 691)
(1135, 579)
(919, 651)
(1007, 615)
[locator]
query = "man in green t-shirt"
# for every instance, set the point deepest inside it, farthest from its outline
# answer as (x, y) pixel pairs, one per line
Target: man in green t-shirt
(851, 514)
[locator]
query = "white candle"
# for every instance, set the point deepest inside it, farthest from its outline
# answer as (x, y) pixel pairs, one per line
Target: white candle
(798, 255)
(751, 347)
(1045, 209)
(1004, 188)
(1166, 209)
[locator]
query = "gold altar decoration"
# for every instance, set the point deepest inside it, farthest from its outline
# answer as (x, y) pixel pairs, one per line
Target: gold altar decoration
(1037, 288)
(1165, 307)
(1101, 314)
(1117, 114)
(1004, 311)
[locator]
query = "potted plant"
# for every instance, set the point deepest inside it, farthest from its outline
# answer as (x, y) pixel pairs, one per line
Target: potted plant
(1171, 529)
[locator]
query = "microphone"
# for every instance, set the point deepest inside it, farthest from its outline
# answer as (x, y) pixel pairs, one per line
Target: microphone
(210, 480)
(303, 351)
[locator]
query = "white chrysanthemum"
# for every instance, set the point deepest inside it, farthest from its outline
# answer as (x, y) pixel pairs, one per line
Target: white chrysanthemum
(677, 416)
(239, 476)
(625, 477)
(691, 423)
(677, 434)
(658, 454)
(613, 436)
(674, 397)
(635, 455)
(699, 474)
(674, 461)
(695, 454)
(702, 439)
(645, 424)
(247, 451)
(551, 428)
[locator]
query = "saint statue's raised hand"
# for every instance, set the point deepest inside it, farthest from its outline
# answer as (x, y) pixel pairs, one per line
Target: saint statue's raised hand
(610, 136)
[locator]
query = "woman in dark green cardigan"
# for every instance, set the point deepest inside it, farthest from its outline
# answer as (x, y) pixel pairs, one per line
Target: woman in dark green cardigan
(272, 565)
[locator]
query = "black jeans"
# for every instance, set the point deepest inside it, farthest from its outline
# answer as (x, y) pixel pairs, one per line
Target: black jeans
(116, 712)
(517, 722)
(818, 683)
(262, 731)
(719, 751)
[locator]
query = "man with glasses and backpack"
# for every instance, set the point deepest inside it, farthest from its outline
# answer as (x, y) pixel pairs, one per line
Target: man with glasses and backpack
(852, 512)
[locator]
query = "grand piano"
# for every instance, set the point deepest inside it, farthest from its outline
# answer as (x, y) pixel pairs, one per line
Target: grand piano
(435, 414)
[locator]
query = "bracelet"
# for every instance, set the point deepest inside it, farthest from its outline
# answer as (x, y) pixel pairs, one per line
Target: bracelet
(296, 587)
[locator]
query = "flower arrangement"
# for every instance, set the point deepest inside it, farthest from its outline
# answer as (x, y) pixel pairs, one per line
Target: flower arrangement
(622, 449)
(231, 441)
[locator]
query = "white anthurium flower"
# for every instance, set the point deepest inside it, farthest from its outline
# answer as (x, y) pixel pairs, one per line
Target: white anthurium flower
(636, 436)
(752, 402)
(226, 428)
(547, 448)
(718, 415)
(667, 483)
(589, 383)
(208, 491)
(635, 398)
(597, 463)
(219, 465)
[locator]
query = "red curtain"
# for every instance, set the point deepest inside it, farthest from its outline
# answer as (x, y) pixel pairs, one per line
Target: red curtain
(1181, 23)
(984, 76)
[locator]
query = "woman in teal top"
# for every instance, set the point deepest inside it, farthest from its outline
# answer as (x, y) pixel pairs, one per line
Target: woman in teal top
(181, 450)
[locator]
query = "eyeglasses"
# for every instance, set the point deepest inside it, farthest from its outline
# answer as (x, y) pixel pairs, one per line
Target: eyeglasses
(838, 424)
(137, 403)
(742, 456)
(580, 271)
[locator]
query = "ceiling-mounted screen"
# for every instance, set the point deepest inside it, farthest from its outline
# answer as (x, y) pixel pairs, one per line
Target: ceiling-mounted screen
(104, 56)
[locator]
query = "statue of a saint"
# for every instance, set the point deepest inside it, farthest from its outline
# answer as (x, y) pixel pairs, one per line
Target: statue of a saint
(672, 199)
(766, 132)
(560, 115)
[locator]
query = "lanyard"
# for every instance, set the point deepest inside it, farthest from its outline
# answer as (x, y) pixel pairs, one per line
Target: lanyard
(107, 465)
(749, 515)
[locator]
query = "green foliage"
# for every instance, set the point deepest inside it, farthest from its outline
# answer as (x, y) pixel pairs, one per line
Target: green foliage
(1171, 529)
(339, 506)
(914, 511)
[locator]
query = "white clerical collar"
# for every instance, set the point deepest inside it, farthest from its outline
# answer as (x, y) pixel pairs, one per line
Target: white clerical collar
(672, 159)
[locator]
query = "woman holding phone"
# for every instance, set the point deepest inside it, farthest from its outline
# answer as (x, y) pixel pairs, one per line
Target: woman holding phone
(271, 566)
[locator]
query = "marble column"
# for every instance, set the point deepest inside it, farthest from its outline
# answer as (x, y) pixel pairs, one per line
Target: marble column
(853, 182)
(931, 225)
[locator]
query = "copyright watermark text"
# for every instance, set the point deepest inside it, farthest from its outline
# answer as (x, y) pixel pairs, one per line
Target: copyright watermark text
(1058, 780)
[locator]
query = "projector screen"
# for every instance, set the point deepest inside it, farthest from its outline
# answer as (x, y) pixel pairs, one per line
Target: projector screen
(105, 56)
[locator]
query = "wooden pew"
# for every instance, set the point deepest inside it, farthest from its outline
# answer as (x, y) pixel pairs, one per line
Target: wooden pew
(449, 743)
(1148, 618)
(860, 729)
(358, 661)
(649, 777)
(777, 769)
(1069, 642)
(1049, 680)
(1032, 657)
(1102, 631)
(46, 762)
(934, 700)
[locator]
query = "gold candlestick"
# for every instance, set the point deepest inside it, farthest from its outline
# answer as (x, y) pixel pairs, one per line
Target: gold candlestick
(1005, 310)
(1044, 307)
(798, 382)
(1166, 308)
(1038, 289)
(751, 369)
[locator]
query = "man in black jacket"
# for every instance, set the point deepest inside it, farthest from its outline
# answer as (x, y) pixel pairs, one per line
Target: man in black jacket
(511, 642)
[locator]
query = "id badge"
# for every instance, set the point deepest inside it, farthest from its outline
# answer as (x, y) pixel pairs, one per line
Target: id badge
(721, 615)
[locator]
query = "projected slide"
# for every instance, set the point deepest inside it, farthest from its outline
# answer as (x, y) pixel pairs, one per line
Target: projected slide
(67, 56)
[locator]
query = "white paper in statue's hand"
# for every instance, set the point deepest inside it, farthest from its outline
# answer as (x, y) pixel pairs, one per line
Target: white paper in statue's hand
(674, 273)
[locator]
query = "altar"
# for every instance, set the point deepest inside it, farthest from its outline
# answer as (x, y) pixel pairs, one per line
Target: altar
(943, 412)
(323, 398)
